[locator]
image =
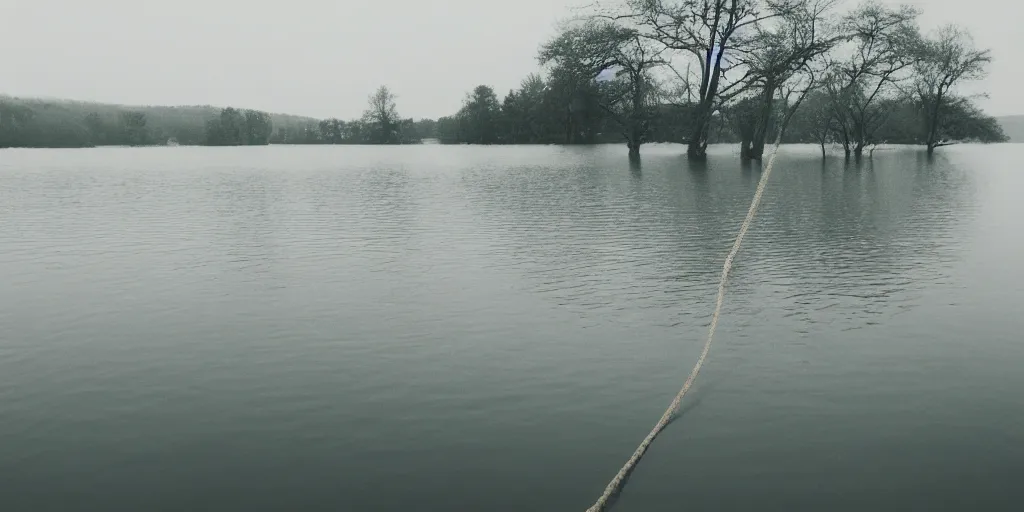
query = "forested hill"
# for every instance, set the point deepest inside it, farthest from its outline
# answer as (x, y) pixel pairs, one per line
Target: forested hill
(34, 122)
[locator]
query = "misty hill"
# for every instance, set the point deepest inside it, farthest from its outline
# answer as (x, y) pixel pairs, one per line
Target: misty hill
(1013, 127)
(39, 122)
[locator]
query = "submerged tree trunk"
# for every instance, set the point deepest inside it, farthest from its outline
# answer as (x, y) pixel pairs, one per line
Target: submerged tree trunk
(633, 141)
(931, 139)
(634, 151)
(637, 124)
(764, 121)
(757, 149)
(697, 149)
(745, 151)
(697, 146)
(747, 140)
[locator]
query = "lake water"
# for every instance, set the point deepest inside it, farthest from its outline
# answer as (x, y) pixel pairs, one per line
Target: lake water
(496, 328)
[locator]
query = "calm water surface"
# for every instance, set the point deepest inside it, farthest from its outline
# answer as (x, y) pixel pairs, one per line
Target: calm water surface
(467, 328)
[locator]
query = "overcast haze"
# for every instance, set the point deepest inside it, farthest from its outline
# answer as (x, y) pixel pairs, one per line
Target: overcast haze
(323, 58)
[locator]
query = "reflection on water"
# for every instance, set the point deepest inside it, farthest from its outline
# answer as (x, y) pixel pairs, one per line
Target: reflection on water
(463, 328)
(849, 237)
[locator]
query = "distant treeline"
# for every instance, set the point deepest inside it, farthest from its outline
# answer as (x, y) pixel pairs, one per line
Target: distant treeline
(72, 124)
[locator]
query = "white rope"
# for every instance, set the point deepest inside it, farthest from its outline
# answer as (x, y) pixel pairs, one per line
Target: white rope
(616, 484)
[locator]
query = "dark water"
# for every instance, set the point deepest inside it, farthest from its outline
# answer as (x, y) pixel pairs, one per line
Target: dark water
(460, 328)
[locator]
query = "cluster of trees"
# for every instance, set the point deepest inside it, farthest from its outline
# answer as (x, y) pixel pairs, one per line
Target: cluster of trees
(239, 128)
(749, 71)
(557, 111)
(380, 124)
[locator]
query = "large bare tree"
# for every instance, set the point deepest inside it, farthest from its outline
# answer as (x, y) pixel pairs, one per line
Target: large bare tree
(382, 116)
(781, 63)
(881, 49)
(708, 31)
(946, 58)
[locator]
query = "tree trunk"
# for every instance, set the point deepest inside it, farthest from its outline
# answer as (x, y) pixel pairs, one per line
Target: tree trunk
(933, 122)
(634, 138)
(637, 125)
(822, 150)
(756, 151)
(748, 141)
(698, 143)
(634, 151)
(763, 122)
(568, 125)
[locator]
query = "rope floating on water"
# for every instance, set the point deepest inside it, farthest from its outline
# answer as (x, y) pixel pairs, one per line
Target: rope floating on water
(616, 484)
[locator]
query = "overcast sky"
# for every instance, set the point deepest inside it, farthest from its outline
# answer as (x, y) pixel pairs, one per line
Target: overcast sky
(324, 57)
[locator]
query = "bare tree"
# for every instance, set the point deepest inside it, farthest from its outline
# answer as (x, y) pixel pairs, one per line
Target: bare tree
(780, 63)
(382, 116)
(882, 48)
(708, 31)
(946, 58)
(817, 118)
(598, 46)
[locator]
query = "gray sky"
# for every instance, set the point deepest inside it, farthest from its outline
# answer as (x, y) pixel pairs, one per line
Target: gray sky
(323, 58)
